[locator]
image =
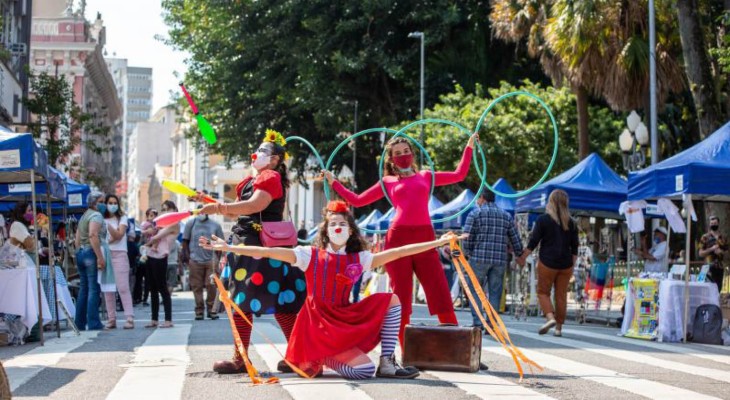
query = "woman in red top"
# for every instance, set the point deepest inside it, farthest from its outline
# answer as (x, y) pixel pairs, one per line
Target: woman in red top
(262, 285)
(330, 330)
(409, 190)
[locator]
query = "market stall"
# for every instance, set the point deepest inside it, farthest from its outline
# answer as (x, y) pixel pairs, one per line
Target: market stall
(23, 161)
(700, 172)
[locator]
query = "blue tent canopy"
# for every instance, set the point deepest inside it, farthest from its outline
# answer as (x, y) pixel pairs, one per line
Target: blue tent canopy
(14, 192)
(434, 204)
(592, 186)
(703, 170)
(370, 218)
(505, 203)
(451, 208)
(19, 154)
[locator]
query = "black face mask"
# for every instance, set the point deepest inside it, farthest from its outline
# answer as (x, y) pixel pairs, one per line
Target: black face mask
(714, 227)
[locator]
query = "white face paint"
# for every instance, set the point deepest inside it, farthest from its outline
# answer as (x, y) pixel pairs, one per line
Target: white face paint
(338, 231)
(261, 161)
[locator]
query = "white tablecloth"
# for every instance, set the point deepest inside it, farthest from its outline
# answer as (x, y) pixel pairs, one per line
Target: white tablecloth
(671, 306)
(19, 295)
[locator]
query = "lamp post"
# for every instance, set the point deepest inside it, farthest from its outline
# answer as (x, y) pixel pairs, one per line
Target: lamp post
(422, 37)
(635, 134)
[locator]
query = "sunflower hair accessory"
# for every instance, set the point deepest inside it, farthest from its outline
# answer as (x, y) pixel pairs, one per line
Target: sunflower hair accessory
(277, 139)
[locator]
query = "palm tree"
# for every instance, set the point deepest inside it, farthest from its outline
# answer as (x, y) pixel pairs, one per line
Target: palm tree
(598, 47)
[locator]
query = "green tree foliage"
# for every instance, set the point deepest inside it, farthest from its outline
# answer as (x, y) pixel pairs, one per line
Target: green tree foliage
(298, 66)
(517, 135)
(58, 121)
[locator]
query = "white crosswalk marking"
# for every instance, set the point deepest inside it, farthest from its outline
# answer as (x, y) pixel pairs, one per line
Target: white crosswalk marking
(631, 356)
(328, 387)
(23, 368)
(158, 368)
(629, 383)
(672, 348)
(483, 384)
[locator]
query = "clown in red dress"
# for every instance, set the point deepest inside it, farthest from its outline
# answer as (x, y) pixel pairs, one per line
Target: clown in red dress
(329, 330)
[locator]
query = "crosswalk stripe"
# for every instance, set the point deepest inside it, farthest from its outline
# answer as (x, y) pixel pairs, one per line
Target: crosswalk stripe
(24, 367)
(158, 368)
(330, 387)
(631, 356)
(672, 348)
(629, 383)
(483, 385)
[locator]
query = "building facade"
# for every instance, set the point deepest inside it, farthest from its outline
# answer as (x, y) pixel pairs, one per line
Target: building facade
(134, 89)
(15, 17)
(64, 43)
(149, 145)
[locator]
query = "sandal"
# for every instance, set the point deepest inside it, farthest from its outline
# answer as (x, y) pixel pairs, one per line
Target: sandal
(129, 324)
(167, 324)
(111, 324)
(152, 324)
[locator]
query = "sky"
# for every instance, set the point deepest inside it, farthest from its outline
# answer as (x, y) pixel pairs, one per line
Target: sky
(131, 26)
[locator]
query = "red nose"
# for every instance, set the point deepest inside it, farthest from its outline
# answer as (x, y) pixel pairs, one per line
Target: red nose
(338, 230)
(254, 156)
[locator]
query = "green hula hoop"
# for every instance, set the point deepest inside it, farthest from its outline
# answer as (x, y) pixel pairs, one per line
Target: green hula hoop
(482, 173)
(364, 132)
(555, 146)
(319, 160)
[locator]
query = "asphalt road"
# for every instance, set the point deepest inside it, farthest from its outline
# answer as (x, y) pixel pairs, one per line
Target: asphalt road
(589, 361)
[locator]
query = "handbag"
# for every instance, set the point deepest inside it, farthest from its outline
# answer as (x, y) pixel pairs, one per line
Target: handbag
(278, 233)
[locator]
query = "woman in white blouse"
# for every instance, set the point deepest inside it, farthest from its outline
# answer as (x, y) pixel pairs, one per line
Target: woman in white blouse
(117, 223)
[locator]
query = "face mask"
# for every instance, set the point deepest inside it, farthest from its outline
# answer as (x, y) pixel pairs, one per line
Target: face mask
(113, 208)
(714, 227)
(101, 207)
(28, 217)
(657, 241)
(403, 162)
(338, 235)
(203, 218)
(260, 160)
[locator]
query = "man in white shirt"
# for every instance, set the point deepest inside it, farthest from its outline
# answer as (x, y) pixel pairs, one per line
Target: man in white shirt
(655, 259)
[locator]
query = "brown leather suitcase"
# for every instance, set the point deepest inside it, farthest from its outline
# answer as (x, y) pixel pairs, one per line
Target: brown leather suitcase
(443, 348)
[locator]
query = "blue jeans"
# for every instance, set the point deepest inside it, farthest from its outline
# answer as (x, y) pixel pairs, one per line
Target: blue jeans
(87, 304)
(491, 278)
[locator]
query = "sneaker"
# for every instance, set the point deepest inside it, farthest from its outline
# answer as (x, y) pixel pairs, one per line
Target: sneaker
(213, 316)
(389, 368)
(547, 326)
(199, 317)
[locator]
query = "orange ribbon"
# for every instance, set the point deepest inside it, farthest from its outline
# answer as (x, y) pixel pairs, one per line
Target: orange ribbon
(496, 329)
(253, 373)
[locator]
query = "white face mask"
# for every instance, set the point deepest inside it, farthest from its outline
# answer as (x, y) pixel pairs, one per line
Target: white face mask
(338, 235)
(261, 160)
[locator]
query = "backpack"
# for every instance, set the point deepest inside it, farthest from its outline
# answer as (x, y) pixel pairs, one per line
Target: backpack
(707, 325)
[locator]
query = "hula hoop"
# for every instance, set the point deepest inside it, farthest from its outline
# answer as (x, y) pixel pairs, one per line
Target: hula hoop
(321, 164)
(482, 173)
(555, 146)
(364, 132)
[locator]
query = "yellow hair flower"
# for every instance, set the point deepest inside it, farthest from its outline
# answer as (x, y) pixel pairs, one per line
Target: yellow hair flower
(273, 136)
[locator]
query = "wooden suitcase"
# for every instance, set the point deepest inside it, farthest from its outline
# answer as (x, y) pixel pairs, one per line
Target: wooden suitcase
(443, 348)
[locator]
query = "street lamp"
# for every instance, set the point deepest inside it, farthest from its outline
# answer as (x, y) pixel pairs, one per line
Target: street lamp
(636, 133)
(420, 35)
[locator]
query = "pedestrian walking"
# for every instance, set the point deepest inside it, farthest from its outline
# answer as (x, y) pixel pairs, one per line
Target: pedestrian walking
(492, 232)
(117, 224)
(201, 263)
(557, 235)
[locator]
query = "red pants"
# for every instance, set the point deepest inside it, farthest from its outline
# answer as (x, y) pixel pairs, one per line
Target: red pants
(429, 271)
